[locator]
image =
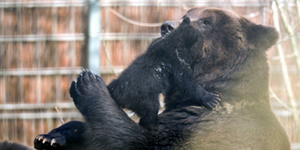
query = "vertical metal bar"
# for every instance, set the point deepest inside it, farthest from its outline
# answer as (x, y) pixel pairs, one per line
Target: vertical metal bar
(14, 129)
(19, 12)
(106, 29)
(264, 11)
(33, 126)
(38, 65)
(8, 61)
(72, 30)
(24, 131)
(56, 57)
(3, 84)
(73, 43)
(125, 44)
(37, 58)
(3, 90)
(21, 78)
(1, 20)
(93, 60)
(54, 19)
(5, 131)
(56, 53)
(40, 124)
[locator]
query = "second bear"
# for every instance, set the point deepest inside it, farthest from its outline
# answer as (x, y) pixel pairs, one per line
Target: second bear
(166, 64)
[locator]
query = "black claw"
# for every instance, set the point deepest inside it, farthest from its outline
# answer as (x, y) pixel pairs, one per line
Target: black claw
(209, 106)
(46, 142)
(58, 142)
(213, 104)
(89, 71)
(91, 75)
(37, 138)
(79, 79)
(82, 77)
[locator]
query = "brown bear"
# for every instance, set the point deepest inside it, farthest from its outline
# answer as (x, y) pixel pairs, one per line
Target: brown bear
(233, 65)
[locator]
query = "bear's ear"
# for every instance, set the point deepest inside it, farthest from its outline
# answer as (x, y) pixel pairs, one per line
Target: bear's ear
(260, 36)
(186, 21)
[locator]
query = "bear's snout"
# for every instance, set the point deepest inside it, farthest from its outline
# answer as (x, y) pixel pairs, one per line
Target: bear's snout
(166, 27)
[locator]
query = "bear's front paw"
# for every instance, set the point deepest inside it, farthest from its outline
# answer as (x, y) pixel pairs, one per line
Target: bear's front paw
(210, 100)
(67, 136)
(88, 88)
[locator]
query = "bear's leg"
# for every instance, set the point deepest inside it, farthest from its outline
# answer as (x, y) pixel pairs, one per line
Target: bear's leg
(190, 87)
(67, 137)
(110, 126)
(106, 127)
(148, 111)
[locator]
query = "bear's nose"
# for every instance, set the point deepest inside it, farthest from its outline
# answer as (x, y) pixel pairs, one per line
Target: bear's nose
(166, 28)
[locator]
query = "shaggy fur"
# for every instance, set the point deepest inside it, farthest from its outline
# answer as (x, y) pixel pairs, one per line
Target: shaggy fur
(167, 64)
(233, 64)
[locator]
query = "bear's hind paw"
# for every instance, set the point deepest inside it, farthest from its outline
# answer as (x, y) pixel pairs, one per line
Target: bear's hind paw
(46, 141)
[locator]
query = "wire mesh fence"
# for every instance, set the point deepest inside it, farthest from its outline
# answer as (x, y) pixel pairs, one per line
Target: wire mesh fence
(42, 49)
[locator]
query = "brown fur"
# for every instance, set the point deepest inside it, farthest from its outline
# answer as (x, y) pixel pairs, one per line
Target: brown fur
(234, 65)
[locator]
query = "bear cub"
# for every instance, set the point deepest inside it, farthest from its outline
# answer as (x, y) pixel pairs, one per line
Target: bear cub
(167, 63)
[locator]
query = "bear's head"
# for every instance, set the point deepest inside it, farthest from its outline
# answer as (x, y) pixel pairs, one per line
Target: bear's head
(233, 53)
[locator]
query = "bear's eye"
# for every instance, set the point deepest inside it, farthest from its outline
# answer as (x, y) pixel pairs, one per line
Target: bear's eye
(205, 21)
